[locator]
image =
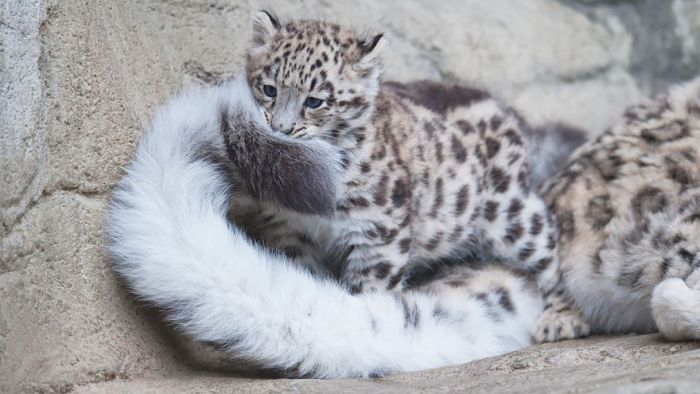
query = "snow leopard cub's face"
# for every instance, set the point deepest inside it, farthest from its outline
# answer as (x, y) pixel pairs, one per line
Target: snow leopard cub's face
(313, 78)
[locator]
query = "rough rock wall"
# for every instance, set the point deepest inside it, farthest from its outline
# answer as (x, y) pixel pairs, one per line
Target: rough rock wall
(79, 79)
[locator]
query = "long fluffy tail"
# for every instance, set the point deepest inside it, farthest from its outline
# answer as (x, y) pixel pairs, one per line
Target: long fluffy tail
(171, 241)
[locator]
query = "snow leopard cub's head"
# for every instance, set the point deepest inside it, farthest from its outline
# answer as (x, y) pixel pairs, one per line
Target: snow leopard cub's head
(314, 79)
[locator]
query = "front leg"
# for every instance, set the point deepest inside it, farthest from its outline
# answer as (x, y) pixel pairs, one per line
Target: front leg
(297, 247)
(377, 260)
(560, 318)
(280, 231)
(525, 237)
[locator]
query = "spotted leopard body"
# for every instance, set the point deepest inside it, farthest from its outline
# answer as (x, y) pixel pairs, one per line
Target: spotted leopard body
(429, 173)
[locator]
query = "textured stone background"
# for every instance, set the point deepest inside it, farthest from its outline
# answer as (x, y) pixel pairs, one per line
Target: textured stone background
(80, 79)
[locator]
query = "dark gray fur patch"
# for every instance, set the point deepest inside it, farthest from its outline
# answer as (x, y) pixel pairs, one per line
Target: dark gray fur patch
(437, 97)
(500, 181)
(663, 269)
(666, 133)
(567, 224)
(462, 200)
(411, 314)
(272, 169)
(489, 306)
(491, 211)
(208, 152)
(630, 277)
(380, 191)
(514, 232)
(542, 264)
(440, 313)
(400, 193)
(514, 209)
(504, 299)
(396, 278)
(293, 252)
(405, 245)
(536, 224)
(686, 255)
(527, 252)
(458, 150)
(549, 147)
(492, 147)
(692, 218)
(599, 212)
(382, 270)
(649, 199)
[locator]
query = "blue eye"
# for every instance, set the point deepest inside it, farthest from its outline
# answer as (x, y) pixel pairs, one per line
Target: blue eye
(269, 90)
(312, 102)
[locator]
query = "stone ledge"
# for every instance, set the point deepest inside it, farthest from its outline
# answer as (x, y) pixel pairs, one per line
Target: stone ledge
(600, 364)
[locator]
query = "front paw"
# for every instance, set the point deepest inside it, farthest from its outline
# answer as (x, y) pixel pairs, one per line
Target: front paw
(556, 325)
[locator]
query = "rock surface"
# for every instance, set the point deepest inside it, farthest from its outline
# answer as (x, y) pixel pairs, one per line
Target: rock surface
(640, 364)
(80, 79)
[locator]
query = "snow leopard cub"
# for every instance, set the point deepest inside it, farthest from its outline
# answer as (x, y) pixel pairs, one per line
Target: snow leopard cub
(429, 172)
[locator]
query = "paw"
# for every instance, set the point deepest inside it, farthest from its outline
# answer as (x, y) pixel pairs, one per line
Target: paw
(676, 309)
(555, 326)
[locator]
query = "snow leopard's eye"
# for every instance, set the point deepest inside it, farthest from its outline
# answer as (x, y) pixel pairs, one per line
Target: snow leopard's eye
(269, 90)
(312, 102)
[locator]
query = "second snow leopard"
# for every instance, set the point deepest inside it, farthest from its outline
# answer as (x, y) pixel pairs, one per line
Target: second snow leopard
(429, 172)
(628, 206)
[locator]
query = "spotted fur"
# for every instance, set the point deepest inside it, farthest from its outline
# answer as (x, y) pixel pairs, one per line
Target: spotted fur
(429, 171)
(628, 205)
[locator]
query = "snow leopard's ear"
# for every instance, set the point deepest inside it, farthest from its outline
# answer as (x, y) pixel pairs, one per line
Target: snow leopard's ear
(370, 51)
(265, 26)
